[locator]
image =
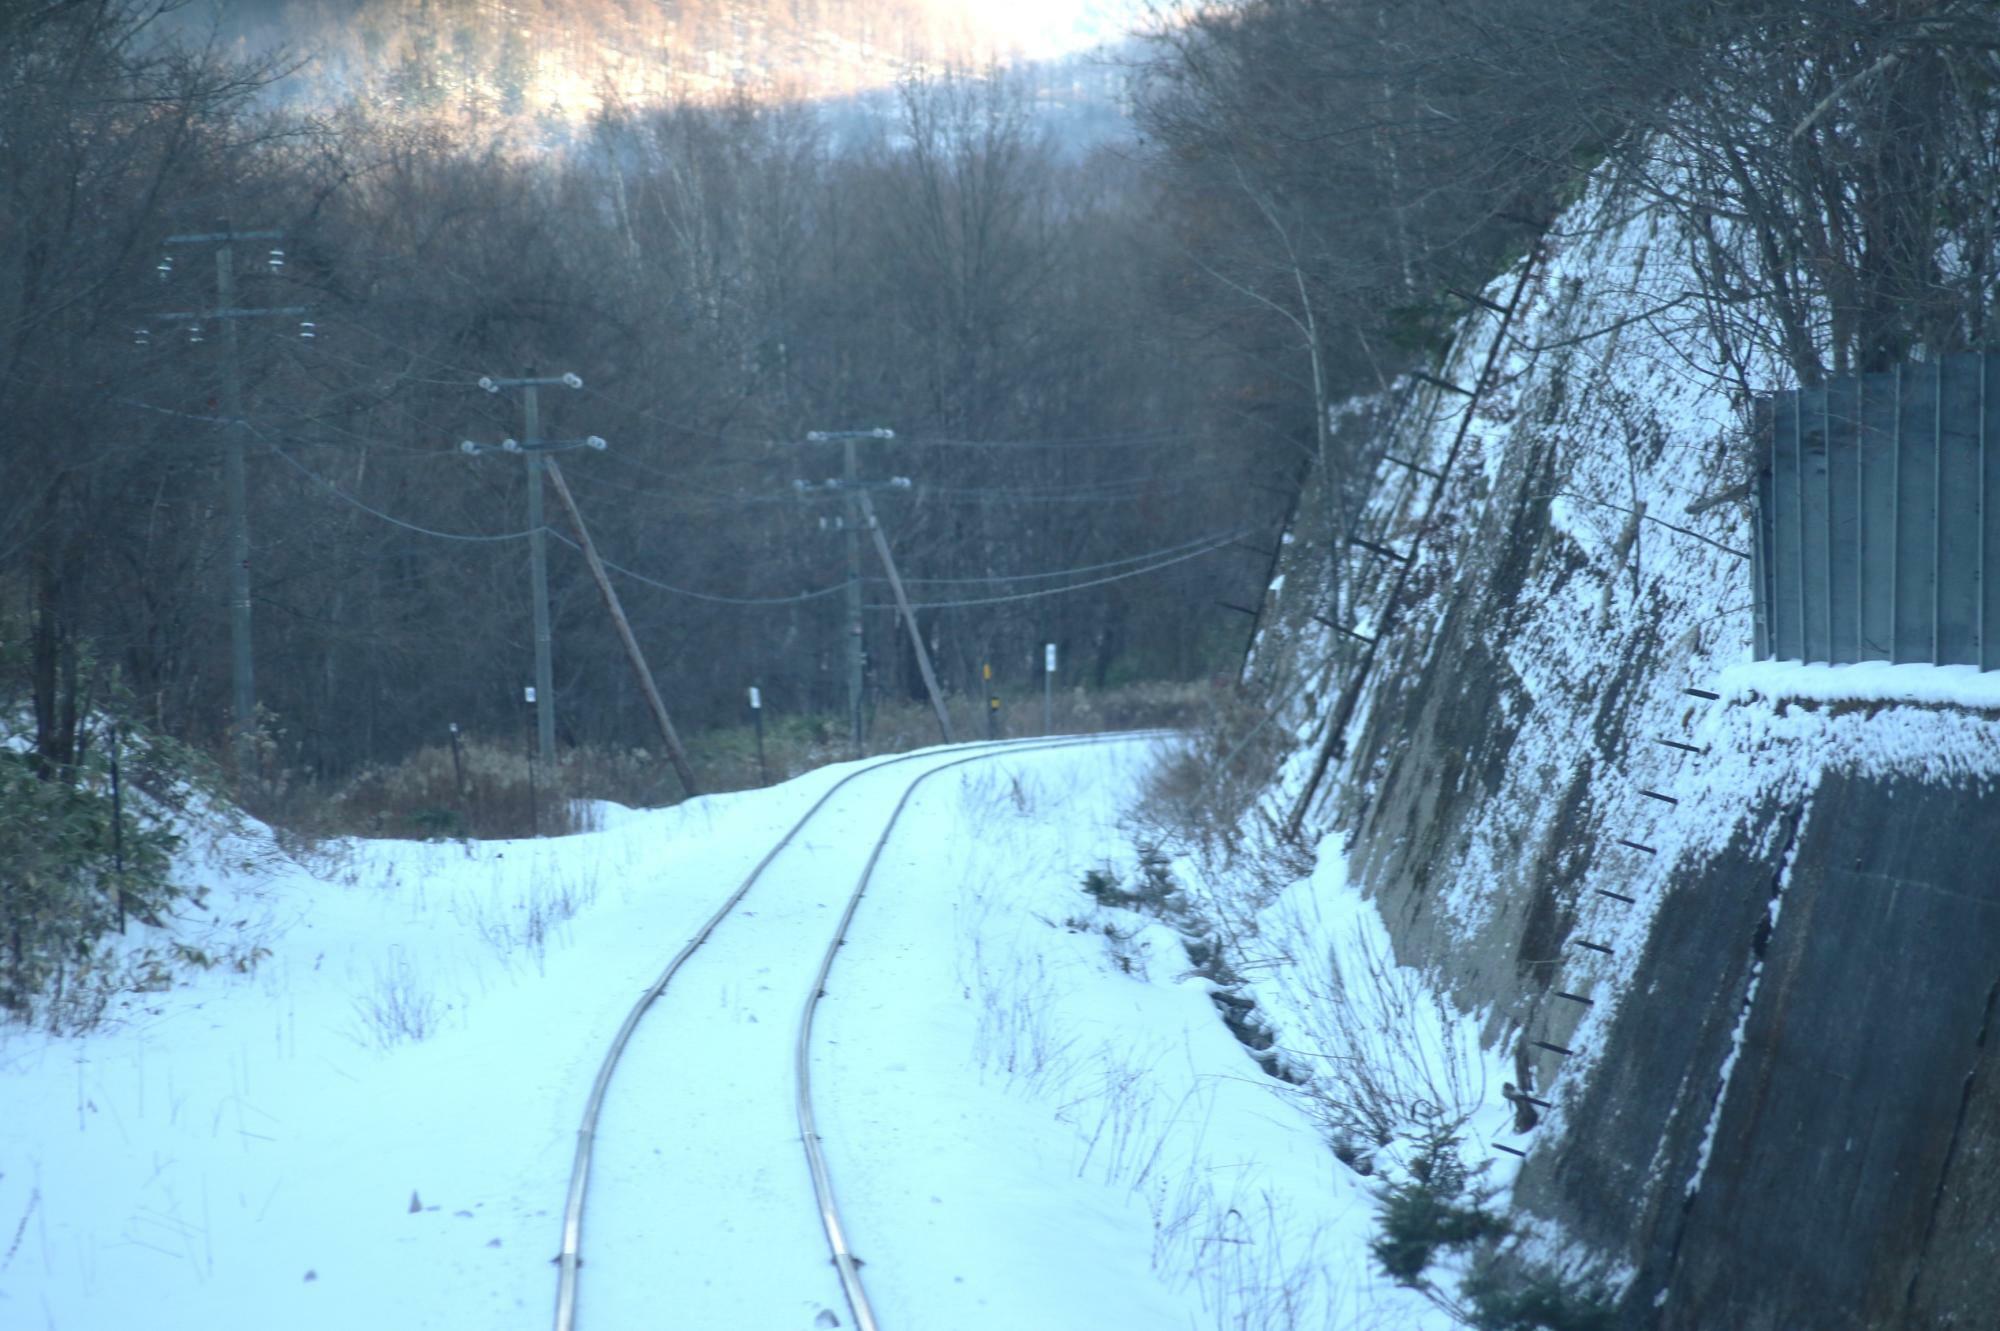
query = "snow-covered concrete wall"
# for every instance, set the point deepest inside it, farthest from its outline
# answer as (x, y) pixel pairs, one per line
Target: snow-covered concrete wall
(1742, 934)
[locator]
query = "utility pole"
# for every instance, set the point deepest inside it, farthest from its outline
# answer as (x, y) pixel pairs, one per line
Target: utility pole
(850, 474)
(850, 482)
(539, 464)
(860, 514)
(538, 546)
(242, 656)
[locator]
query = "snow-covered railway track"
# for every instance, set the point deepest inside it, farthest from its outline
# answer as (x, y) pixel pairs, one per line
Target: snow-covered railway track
(715, 1057)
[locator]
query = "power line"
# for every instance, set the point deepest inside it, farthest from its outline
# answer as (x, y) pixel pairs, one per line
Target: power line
(685, 428)
(390, 518)
(1081, 495)
(1181, 554)
(1211, 539)
(1138, 438)
(1177, 554)
(1050, 445)
(690, 592)
(1058, 591)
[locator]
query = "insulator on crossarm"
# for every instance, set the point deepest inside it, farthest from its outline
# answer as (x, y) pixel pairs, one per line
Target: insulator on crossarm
(572, 381)
(467, 447)
(194, 334)
(308, 330)
(510, 445)
(165, 266)
(596, 442)
(142, 337)
(486, 382)
(276, 260)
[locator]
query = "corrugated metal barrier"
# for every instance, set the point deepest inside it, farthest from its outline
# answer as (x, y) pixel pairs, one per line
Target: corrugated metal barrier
(1878, 517)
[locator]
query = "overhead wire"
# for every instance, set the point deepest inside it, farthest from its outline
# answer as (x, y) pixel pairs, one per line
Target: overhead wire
(483, 538)
(1058, 591)
(1173, 555)
(684, 427)
(690, 592)
(1211, 538)
(1131, 439)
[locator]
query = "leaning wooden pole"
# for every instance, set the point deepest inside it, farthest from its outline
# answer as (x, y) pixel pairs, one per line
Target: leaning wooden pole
(903, 605)
(632, 652)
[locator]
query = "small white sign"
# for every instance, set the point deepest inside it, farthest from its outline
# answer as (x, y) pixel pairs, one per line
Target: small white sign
(1049, 659)
(756, 699)
(529, 693)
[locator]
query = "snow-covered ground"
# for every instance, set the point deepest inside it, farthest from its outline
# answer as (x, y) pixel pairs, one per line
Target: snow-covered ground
(1032, 1113)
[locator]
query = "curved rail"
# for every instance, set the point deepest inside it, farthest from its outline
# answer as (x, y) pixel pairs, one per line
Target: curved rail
(569, 1257)
(829, 1214)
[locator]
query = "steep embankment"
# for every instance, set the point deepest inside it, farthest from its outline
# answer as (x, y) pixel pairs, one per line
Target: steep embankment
(1742, 947)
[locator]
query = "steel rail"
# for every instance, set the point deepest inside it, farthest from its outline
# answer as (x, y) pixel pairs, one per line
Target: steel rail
(569, 1259)
(829, 1213)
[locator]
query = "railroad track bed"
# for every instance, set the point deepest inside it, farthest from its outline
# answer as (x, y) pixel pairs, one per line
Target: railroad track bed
(1029, 1115)
(701, 1102)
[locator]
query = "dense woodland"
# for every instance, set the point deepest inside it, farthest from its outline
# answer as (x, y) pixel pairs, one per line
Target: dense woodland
(1099, 364)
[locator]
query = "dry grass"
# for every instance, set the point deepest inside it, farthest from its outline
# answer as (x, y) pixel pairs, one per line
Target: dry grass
(493, 791)
(1208, 798)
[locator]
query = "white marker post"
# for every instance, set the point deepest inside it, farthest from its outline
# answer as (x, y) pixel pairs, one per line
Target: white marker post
(534, 799)
(1049, 689)
(757, 718)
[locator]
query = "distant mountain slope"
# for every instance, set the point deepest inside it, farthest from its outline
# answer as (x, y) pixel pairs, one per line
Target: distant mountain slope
(556, 61)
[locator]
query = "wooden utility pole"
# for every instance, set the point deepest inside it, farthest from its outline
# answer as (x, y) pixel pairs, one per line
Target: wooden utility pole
(856, 644)
(909, 618)
(850, 483)
(625, 635)
(538, 550)
(242, 656)
(538, 580)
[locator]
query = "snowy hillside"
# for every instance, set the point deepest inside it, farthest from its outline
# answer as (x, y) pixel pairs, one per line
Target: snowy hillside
(1580, 808)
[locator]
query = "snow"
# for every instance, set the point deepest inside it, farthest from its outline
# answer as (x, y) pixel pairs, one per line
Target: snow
(1865, 682)
(1030, 1120)
(1343, 1000)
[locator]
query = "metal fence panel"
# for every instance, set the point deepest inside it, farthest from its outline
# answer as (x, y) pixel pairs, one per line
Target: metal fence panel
(1916, 515)
(1815, 558)
(1989, 513)
(1877, 502)
(1876, 556)
(1958, 525)
(1761, 567)
(1787, 633)
(1843, 516)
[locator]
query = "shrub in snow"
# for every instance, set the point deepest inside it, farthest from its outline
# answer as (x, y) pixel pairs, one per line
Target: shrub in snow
(61, 887)
(400, 1008)
(1437, 1207)
(1154, 891)
(1533, 1298)
(487, 790)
